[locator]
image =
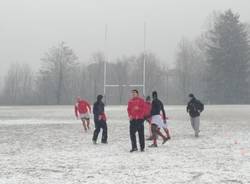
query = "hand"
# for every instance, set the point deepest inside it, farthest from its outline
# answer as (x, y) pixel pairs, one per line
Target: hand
(165, 121)
(130, 118)
(99, 117)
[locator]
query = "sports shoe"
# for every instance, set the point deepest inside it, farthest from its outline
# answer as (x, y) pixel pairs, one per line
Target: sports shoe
(133, 149)
(164, 140)
(149, 138)
(153, 146)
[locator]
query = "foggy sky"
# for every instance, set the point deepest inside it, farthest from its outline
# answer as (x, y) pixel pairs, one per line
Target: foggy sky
(28, 28)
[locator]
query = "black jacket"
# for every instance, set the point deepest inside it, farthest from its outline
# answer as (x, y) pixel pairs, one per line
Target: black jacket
(98, 109)
(194, 107)
(157, 107)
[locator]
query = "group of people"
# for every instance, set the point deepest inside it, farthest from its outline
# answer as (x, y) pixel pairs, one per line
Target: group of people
(83, 110)
(139, 111)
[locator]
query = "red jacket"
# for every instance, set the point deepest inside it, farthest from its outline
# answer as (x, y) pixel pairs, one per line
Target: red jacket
(147, 109)
(82, 107)
(136, 108)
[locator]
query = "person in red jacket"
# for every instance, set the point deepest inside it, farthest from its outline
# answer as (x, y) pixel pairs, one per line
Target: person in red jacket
(82, 111)
(147, 115)
(136, 116)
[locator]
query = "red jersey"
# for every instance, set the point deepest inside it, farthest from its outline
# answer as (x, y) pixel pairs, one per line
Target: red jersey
(147, 109)
(136, 108)
(82, 107)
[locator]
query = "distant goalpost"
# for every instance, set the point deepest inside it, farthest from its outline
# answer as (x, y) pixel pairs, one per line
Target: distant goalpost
(106, 85)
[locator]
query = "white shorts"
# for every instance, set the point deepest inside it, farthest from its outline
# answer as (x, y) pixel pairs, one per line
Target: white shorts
(84, 116)
(157, 120)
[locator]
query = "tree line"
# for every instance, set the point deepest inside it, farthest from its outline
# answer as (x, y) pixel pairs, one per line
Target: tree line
(214, 66)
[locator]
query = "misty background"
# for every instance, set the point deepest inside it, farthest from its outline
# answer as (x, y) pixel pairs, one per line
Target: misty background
(53, 51)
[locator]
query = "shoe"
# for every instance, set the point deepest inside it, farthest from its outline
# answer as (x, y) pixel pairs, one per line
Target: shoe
(104, 142)
(94, 142)
(165, 140)
(133, 149)
(142, 150)
(150, 138)
(153, 146)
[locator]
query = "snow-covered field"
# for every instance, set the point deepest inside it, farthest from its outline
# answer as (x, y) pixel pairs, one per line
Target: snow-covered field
(47, 145)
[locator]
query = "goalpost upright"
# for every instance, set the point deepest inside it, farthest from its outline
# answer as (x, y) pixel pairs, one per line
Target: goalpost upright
(106, 60)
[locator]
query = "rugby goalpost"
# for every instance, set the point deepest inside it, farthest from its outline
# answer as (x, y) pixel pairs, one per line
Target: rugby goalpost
(106, 60)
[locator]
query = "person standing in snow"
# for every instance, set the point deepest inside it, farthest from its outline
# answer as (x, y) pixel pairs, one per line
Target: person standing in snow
(82, 111)
(194, 108)
(147, 115)
(158, 121)
(135, 111)
(100, 120)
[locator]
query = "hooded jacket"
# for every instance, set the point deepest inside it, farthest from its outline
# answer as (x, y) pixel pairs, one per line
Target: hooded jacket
(98, 109)
(194, 107)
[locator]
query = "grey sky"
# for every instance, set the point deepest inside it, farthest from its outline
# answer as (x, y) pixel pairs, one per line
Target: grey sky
(28, 28)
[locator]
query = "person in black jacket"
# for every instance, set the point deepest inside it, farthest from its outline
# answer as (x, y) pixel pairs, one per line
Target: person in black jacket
(100, 120)
(157, 120)
(194, 108)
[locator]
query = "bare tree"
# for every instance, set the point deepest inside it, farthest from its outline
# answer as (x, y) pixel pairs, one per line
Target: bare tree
(18, 85)
(55, 75)
(190, 68)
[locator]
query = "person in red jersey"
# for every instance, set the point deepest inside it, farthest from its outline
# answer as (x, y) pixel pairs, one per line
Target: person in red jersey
(147, 115)
(136, 116)
(82, 111)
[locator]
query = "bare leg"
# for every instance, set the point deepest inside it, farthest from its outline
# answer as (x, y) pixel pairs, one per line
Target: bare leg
(150, 130)
(154, 135)
(88, 123)
(160, 134)
(167, 132)
(84, 125)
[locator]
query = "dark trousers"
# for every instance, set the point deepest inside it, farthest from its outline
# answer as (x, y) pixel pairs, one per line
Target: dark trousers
(137, 126)
(101, 124)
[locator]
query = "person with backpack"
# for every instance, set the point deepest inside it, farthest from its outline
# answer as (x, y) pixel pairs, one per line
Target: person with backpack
(194, 108)
(100, 120)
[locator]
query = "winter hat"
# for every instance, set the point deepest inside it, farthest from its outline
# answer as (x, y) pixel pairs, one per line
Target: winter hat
(191, 95)
(154, 94)
(99, 97)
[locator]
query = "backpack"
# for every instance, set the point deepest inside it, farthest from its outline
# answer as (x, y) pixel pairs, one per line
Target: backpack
(200, 106)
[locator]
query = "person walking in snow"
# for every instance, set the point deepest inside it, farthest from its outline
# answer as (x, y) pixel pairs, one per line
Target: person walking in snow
(100, 120)
(158, 121)
(194, 108)
(135, 111)
(82, 111)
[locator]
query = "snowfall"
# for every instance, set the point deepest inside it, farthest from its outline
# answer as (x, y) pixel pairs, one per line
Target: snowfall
(47, 145)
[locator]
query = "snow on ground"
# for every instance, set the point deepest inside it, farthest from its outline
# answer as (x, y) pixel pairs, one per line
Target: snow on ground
(46, 145)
